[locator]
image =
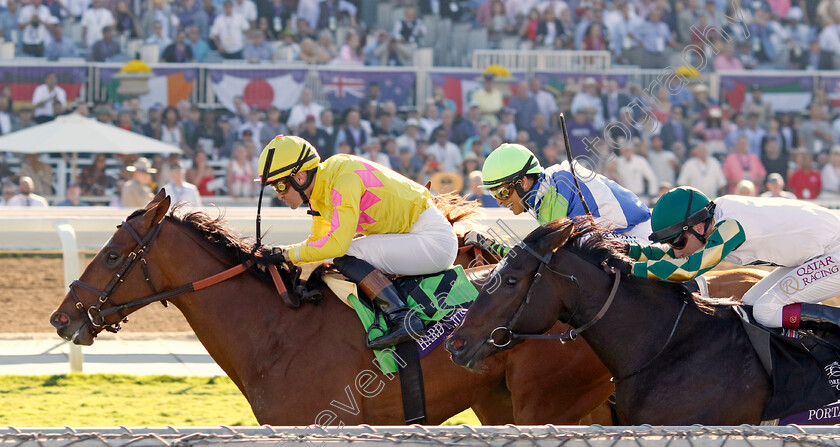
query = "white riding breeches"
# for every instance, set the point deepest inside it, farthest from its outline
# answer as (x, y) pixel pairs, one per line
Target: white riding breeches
(430, 247)
(816, 280)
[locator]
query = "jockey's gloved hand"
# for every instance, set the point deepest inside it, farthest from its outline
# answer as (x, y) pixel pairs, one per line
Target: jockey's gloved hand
(478, 239)
(274, 255)
(617, 266)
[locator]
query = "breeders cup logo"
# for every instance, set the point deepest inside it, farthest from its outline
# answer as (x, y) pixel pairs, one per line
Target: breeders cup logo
(832, 371)
(814, 271)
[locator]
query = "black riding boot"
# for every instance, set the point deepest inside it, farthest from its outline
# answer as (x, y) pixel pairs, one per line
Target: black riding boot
(820, 317)
(402, 325)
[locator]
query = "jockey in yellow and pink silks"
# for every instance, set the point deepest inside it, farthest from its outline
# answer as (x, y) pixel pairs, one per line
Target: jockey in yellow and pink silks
(402, 232)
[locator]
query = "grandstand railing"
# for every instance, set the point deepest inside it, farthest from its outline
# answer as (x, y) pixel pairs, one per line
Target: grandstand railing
(542, 60)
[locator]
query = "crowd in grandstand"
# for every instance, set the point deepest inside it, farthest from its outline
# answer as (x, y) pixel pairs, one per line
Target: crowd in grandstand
(734, 35)
(694, 140)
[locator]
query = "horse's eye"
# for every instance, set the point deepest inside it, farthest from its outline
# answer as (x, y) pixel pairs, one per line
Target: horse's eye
(113, 257)
(511, 281)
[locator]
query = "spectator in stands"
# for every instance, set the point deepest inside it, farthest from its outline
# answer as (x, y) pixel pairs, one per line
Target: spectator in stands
(311, 53)
(94, 19)
(6, 118)
(506, 129)
(446, 152)
(247, 9)
(228, 31)
(727, 60)
(9, 22)
(272, 126)
(159, 12)
(410, 30)
(353, 132)
(590, 99)
(191, 13)
(197, 45)
(127, 24)
(756, 103)
(524, 105)
(180, 190)
(775, 185)
(9, 191)
(35, 21)
(25, 113)
(27, 196)
(612, 101)
(46, 96)
(350, 52)
(411, 136)
(328, 126)
(152, 127)
(772, 158)
(636, 173)
(702, 172)
(327, 45)
(745, 54)
(580, 128)
(478, 193)
(489, 99)
(539, 132)
(60, 47)
(41, 174)
(171, 130)
(654, 37)
(813, 130)
(254, 124)
(467, 128)
(94, 178)
(830, 175)
(805, 181)
(742, 164)
(74, 196)
(201, 174)
(745, 188)
(158, 37)
(372, 150)
(408, 164)
(258, 50)
(178, 51)
(393, 54)
(230, 133)
(430, 119)
(545, 100)
(480, 142)
(208, 135)
(373, 42)
(304, 108)
(319, 138)
(103, 114)
(240, 173)
(674, 129)
(105, 48)
(664, 163)
(136, 192)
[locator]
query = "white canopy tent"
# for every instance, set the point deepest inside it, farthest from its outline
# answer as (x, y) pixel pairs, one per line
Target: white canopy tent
(74, 133)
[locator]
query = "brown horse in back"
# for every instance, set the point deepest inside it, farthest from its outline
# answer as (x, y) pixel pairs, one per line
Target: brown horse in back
(308, 365)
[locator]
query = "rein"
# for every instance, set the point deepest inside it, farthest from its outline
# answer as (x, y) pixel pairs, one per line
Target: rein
(95, 316)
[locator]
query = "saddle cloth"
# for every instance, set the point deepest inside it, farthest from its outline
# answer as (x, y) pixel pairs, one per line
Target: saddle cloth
(440, 300)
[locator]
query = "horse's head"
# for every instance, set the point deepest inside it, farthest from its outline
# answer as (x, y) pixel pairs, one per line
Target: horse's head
(111, 277)
(500, 308)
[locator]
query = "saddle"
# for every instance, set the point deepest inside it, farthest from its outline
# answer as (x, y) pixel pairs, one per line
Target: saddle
(804, 371)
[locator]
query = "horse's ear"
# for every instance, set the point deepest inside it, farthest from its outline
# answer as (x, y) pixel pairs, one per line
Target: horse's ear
(160, 209)
(157, 199)
(429, 185)
(556, 239)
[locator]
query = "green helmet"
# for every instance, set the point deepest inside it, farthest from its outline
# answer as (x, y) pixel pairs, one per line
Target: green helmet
(508, 163)
(678, 210)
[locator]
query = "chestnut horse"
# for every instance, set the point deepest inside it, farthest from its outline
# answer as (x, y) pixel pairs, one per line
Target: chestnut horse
(676, 361)
(307, 365)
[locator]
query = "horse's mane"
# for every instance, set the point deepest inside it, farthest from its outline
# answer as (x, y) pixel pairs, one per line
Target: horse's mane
(593, 243)
(456, 208)
(219, 235)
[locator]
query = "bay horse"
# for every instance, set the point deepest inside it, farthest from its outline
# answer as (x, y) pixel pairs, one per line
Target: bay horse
(676, 359)
(307, 365)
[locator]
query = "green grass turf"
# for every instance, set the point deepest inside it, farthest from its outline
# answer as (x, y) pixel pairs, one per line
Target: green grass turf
(86, 400)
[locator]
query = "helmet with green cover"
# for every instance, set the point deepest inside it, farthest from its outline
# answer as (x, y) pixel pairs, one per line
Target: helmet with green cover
(677, 211)
(507, 164)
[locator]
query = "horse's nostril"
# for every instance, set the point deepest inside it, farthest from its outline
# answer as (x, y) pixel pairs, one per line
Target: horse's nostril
(455, 344)
(59, 320)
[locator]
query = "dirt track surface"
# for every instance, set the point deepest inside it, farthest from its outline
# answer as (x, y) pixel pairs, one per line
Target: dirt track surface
(33, 287)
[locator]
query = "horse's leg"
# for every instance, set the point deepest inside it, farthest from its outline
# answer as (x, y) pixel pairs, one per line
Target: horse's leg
(496, 407)
(569, 384)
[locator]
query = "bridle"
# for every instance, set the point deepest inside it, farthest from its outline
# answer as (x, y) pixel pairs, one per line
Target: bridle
(95, 316)
(572, 333)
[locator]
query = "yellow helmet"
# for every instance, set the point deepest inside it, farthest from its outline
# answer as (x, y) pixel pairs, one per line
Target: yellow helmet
(291, 155)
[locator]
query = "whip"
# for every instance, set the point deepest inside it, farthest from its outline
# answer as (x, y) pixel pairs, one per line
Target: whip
(572, 163)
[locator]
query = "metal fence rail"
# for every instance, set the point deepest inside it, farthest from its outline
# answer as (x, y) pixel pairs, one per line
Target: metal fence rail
(564, 60)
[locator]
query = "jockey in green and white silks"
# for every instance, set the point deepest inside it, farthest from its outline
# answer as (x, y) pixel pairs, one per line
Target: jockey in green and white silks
(801, 238)
(517, 181)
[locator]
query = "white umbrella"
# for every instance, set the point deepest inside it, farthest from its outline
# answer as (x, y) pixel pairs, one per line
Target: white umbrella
(74, 133)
